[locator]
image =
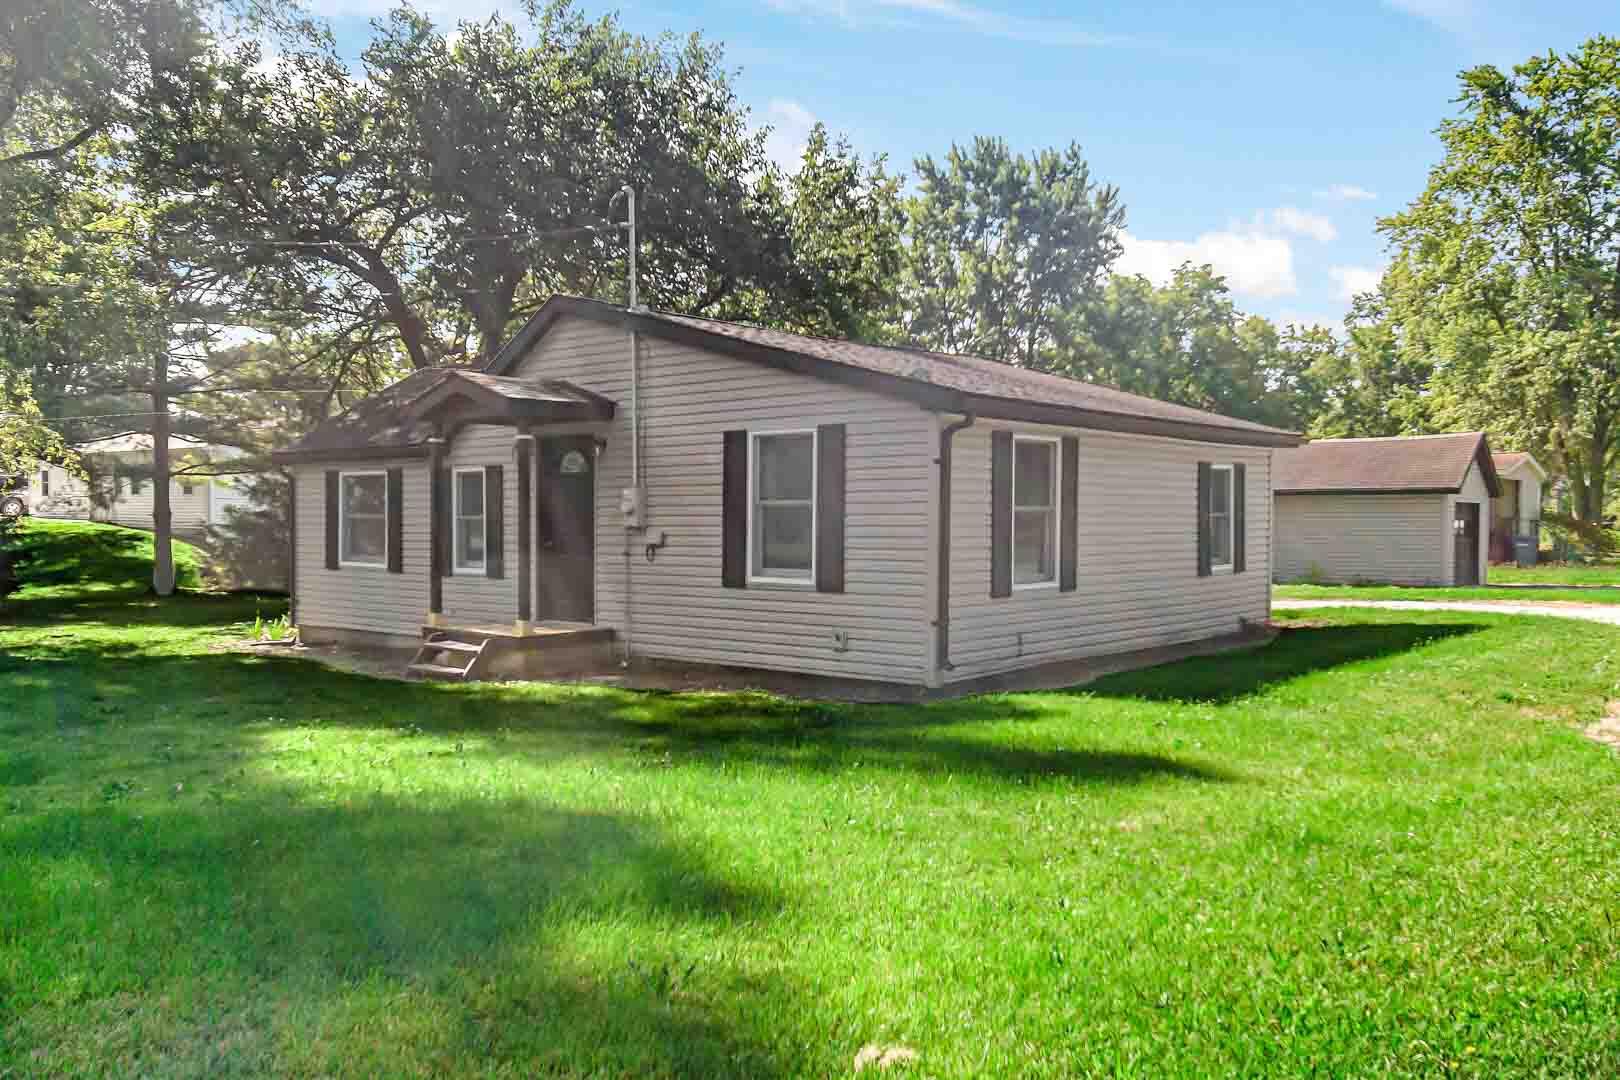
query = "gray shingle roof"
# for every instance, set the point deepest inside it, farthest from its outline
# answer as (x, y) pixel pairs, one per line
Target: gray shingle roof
(969, 374)
(1404, 464)
(390, 420)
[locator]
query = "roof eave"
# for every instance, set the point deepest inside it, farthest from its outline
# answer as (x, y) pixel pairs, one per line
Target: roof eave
(1365, 491)
(316, 455)
(924, 394)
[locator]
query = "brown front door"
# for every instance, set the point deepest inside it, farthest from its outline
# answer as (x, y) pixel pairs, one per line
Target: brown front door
(565, 529)
(1465, 536)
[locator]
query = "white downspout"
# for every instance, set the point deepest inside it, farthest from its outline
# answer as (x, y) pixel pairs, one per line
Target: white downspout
(632, 501)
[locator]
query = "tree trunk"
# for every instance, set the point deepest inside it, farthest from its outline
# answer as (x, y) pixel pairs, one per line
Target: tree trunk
(1589, 494)
(162, 539)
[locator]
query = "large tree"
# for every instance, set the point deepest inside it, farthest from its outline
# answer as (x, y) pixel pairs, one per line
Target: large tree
(1005, 250)
(1507, 272)
(417, 208)
(1186, 342)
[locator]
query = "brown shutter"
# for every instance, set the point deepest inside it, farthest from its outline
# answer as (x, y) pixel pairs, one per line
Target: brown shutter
(331, 519)
(1240, 522)
(734, 511)
(830, 508)
(396, 521)
(1001, 496)
(494, 521)
(444, 513)
(1069, 519)
(1206, 479)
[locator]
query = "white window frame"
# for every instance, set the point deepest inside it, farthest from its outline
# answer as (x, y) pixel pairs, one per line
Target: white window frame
(1057, 515)
(762, 577)
(343, 523)
(457, 567)
(1215, 472)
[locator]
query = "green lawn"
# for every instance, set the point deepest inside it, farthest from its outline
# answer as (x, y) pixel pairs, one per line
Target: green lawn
(1499, 594)
(1556, 574)
(1377, 845)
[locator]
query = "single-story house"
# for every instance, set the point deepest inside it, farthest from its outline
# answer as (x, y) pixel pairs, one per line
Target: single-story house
(710, 492)
(119, 484)
(1516, 513)
(1400, 511)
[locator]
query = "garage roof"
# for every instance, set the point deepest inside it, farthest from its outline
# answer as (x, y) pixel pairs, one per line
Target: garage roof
(1407, 464)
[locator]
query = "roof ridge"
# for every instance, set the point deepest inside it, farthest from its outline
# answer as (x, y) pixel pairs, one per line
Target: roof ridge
(967, 360)
(1395, 438)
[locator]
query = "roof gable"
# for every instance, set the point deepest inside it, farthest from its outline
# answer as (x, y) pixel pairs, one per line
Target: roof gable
(1411, 464)
(1509, 463)
(940, 382)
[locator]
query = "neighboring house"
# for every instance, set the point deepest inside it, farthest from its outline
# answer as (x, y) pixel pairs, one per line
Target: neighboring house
(119, 489)
(748, 497)
(1400, 511)
(1516, 513)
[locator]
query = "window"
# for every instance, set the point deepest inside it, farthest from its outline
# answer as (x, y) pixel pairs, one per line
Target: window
(1035, 512)
(363, 517)
(44, 481)
(135, 483)
(782, 509)
(469, 514)
(1220, 518)
(185, 487)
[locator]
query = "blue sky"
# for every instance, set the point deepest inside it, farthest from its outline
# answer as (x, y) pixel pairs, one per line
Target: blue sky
(1264, 138)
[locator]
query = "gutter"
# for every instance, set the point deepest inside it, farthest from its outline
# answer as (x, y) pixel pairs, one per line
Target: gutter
(942, 614)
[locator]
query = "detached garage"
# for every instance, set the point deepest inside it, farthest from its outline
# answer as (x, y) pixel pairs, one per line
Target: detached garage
(1413, 510)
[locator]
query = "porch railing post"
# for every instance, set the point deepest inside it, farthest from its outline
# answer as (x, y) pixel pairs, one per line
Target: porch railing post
(436, 497)
(523, 447)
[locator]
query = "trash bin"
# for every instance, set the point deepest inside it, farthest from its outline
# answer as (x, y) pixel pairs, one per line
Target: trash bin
(1524, 550)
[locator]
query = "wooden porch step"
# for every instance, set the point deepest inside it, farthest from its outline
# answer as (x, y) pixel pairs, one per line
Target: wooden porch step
(437, 670)
(454, 646)
(439, 644)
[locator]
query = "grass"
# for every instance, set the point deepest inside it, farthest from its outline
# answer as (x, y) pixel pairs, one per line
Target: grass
(1491, 593)
(1556, 574)
(1377, 845)
(75, 559)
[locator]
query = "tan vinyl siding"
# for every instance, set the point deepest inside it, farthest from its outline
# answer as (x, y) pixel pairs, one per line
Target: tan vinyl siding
(362, 598)
(1343, 539)
(679, 609)
(471, 598)
(1137, 572)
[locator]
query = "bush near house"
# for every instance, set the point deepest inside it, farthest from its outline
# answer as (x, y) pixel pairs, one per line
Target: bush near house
(1380, 844)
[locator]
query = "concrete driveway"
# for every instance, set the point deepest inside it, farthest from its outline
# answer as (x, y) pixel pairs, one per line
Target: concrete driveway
(1598, 613)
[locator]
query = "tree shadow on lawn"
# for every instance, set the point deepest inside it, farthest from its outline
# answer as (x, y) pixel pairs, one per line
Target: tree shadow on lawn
(561, 721)
(460, 920)
(1297, 651)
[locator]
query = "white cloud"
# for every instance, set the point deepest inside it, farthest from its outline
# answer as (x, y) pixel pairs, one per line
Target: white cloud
(1346, 193)
(1352, 281)
(790, 131)
(1446, 13)
(960, 15)
(1255, 261)
(1256, 257)
(1304, 223)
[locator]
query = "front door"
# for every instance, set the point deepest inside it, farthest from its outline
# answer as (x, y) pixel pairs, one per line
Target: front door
(1465, 537)
(565, 529)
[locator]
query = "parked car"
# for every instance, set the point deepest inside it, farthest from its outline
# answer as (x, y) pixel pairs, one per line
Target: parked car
(13, 494)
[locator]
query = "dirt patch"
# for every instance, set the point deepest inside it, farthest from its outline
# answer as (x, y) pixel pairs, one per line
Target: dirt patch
(1607, 729)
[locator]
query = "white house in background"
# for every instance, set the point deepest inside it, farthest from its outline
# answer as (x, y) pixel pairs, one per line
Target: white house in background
(1516, 513)
(687, 490)
(1397, 511)
(120, 466)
